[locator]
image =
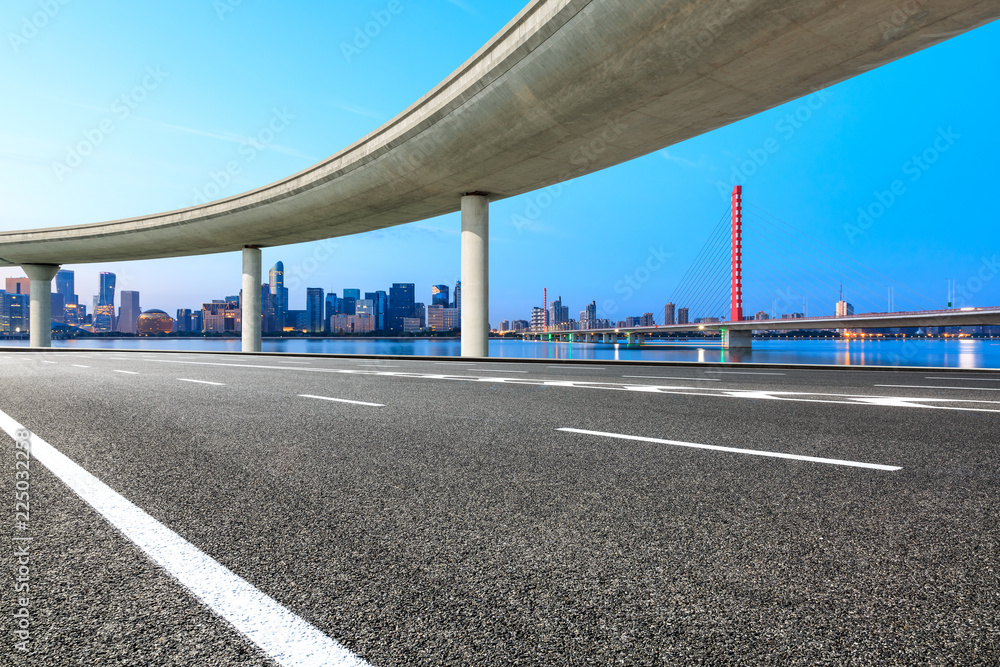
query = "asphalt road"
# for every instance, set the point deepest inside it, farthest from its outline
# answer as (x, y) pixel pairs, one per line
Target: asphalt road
(442, 518)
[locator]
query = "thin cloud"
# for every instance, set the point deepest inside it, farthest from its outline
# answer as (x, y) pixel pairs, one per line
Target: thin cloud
(688, 163)
(464, 7)
(236, 139)
(361, 111)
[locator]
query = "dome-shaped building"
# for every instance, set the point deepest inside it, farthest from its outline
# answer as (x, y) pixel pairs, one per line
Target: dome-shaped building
(154, 322)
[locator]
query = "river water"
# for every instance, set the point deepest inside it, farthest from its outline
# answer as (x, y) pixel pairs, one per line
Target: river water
(962, 353)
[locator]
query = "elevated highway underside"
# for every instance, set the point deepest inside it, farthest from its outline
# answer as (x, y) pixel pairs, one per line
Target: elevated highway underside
(567, 88)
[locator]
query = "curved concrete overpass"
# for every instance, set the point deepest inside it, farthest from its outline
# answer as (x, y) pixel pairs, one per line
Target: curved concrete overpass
(568, 87)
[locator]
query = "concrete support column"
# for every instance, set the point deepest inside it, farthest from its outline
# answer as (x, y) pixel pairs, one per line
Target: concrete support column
(640, 339)
(737, 340)
(251, 307)
(40, 323)
(475, 275)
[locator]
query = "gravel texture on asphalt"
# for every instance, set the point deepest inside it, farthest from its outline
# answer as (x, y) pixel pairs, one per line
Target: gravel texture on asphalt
(457, 526)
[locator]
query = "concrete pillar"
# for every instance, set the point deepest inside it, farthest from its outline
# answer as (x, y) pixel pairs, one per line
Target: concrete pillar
(475, 275)
(737, 340)
(251, 314)
(640, 339)
(40, 323)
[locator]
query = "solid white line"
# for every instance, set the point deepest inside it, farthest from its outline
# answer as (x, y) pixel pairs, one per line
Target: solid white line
(927, 386)
(218, 384)
(734, 450)
(743, 373)
(960, 379)
(341, 400)
(80, 366)
(46, 362)
(379, 365)
(579, 368)
(129, 372)
(284, 637)
(667, 377)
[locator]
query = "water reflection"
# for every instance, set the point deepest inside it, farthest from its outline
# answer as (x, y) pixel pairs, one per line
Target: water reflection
(965, 353)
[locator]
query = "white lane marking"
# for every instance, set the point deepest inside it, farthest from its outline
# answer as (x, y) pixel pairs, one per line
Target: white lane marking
(579, 368)
(218, 384)
(491, 370)
(667, 377)
(797, 396)
(961, 379)
(379, 365)
(742, 373)
(927, 386)
(46, 362)
(341, 400)
(80, 366)
(735, 450)
(284, 637)
(128, 372)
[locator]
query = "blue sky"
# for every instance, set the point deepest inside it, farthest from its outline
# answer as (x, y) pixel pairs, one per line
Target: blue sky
(171, 92)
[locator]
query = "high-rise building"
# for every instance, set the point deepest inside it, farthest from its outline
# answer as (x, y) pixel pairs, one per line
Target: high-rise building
(457, 303)
(420, 312)
(129, 312)
(682, 316)
(268, 310)
(314, 309)
(761, 315)
(19, 286)
(558, 314)
(440, 318)
(72, 314)
(65, 285)
(588, 316)
(197, 321)
(537, 319)
(222, 316)
(439, 296)
(276, 279)
(348, 304)
(58, 308)
(331, 306)
(381, 300)
(668, 313)
(400, 305)
(183, 319)
(104, 309)
(13, 312)
(844, 309)
(647, 320)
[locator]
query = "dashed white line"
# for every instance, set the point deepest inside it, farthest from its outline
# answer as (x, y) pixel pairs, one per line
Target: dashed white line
(742, 373)
(667, 377)
(46, 362)
(379, 365)
(127, 372)
(579, 368)
(341, 400)
(735, 450)
(961, 379)
(927, 386)
(218, 384)
(80, 366)
(283, 636)
(491, 370)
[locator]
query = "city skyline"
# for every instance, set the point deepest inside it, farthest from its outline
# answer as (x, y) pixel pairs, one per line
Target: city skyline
(874, 166)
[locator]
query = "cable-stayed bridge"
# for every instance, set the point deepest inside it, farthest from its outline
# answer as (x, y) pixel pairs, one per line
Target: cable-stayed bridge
(790, 273)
